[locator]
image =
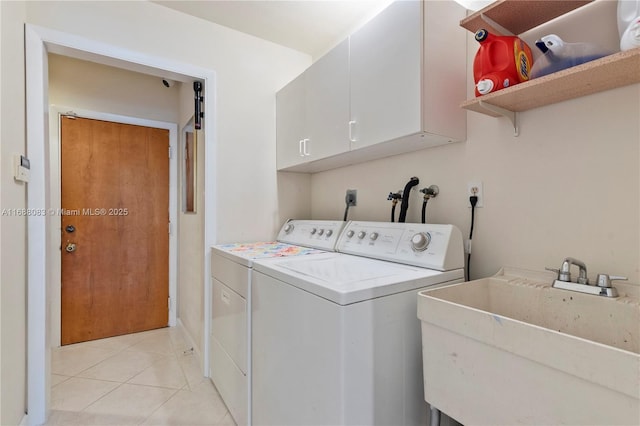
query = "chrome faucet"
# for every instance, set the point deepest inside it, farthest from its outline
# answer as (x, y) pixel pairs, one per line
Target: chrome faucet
(601, 288)
(564, 274)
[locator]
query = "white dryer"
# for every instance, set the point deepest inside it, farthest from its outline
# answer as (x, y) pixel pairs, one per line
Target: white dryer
(335, 337)
(231, 268)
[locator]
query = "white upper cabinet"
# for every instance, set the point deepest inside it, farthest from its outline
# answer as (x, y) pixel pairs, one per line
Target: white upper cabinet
(385, 65)
(327, 103)
(290, 123)
(312, 111)
(393, 86)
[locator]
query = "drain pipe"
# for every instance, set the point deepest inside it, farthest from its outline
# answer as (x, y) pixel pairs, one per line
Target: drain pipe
(404, 206)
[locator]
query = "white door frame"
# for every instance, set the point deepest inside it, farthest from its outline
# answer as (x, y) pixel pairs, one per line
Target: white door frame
(55, 276)
(38, 41)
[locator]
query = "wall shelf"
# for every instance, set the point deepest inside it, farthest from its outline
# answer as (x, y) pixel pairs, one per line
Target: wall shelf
(518, 16)
(610, 72)
(513, 17)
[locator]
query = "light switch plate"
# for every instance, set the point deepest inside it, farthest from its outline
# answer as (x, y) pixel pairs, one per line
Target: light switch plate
(22, 168)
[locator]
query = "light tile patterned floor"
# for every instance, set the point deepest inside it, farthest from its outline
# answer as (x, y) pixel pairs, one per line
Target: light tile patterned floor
(149, 378)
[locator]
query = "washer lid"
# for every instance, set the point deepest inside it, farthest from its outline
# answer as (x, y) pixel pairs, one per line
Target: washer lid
(246, 253)
(346, 279)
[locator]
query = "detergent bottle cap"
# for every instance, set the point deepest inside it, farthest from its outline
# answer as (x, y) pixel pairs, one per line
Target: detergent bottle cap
(550, 42)
(485, 86)
(481, 35)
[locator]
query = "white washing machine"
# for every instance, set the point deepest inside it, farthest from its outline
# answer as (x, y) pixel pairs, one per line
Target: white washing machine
(231, 270)
(335, 336)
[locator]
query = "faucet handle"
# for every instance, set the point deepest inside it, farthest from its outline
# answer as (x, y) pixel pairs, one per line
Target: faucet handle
(561, 275)
(604, 280)
(556, 270)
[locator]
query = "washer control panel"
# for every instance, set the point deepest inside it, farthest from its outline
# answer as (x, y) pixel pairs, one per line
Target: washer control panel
(320, 234)
(431, 246)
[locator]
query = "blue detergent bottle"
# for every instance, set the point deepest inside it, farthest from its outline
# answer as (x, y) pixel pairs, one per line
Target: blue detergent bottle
(560, 55)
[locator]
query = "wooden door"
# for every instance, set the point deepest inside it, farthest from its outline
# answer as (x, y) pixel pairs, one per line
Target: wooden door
(115, 241)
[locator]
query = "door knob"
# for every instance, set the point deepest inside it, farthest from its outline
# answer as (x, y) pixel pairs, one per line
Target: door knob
(70, 247)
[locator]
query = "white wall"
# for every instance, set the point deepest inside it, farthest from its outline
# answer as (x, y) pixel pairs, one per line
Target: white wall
(95, 87)
(12, 228)
(569, 185)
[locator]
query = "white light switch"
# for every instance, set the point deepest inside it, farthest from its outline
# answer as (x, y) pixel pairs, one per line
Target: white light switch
(22, 168)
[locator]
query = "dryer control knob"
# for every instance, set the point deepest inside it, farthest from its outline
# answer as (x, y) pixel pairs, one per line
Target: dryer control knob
(329, 232)
(420, 241)
(320, 232)
(313, 231)
(288, 228)
(373, 236)
(350, 234)
(361, 234)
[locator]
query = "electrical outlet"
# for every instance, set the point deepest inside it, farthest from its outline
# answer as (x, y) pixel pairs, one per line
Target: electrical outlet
(475, 188)
(351, 197)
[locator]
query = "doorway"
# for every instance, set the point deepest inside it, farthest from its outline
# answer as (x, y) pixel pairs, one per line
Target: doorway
(114, 221)
(38, 42)
(56, 235)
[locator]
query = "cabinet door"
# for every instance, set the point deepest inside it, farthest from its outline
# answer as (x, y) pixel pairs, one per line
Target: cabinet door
(385, 67)
(290, 123)
(327, 104)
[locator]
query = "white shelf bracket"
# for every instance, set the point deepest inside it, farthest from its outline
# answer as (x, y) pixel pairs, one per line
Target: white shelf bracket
(511, 115)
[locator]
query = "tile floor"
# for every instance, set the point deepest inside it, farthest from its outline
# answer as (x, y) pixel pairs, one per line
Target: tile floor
(149, 378)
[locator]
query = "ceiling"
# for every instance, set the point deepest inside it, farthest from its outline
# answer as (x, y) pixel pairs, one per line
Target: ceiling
(309, 26)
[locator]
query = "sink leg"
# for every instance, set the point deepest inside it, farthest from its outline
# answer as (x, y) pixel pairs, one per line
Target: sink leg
(434, 418)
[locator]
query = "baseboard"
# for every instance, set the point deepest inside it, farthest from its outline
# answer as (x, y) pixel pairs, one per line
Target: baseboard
(189, 338)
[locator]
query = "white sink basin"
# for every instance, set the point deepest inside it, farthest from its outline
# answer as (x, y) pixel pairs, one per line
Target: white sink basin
(510, 349)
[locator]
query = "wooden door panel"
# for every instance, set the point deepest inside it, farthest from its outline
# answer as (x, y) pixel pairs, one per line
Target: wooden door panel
(115, 187)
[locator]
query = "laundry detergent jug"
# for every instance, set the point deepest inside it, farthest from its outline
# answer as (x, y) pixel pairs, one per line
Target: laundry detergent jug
(501, 61)
(629, 23)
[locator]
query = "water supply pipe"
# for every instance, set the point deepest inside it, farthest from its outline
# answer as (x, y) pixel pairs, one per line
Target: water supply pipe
(430, 192)
(394, 197)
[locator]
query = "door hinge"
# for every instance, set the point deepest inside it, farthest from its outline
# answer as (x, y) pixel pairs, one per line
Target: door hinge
(169, 303)
(170, 228)
(170, 152)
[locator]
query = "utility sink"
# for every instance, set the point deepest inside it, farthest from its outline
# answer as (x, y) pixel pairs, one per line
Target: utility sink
(510, 349)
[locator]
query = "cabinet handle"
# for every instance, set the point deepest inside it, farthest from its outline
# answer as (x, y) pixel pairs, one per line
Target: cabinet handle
(351, 124)
(305, 145)
(300, 150)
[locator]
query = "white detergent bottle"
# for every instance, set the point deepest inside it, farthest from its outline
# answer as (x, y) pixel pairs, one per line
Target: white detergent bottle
(560, 55)
(629, 23)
